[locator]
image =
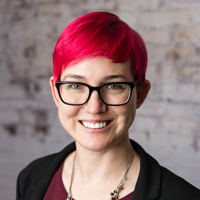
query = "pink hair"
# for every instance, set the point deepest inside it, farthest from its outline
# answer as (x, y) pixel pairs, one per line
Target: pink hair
(100, 34)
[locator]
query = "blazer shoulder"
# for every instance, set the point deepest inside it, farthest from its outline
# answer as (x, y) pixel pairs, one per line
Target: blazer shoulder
(36, 167)
(41, 171)
(175, 187)
(28, 176)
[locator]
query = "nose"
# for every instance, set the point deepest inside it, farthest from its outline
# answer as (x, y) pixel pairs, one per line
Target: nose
(94, 104)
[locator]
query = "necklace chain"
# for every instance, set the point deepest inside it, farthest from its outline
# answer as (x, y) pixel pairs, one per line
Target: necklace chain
(113, 195)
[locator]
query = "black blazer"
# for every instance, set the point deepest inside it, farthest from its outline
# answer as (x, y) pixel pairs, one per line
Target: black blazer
(154, 182)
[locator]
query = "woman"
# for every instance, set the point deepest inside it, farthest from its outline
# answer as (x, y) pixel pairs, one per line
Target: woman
(99, 82)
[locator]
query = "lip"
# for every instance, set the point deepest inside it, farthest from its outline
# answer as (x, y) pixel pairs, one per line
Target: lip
(96, 130)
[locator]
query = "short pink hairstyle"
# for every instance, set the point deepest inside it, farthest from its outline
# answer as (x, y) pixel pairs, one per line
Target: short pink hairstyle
(100, 34)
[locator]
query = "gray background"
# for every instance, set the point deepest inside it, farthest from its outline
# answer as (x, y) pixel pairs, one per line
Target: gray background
(167, 125)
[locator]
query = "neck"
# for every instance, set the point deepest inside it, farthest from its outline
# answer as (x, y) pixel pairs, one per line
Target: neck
(95, 167)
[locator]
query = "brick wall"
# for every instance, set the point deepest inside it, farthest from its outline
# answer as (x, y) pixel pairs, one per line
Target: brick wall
(167, 125)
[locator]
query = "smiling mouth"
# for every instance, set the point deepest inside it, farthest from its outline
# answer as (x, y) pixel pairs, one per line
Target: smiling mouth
(95, 125)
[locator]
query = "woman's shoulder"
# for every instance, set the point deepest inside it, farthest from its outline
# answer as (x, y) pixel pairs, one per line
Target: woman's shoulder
(39, 173)
(29, 175)
(45, 165)
(175, 187)
(157, 182)
(36, 167)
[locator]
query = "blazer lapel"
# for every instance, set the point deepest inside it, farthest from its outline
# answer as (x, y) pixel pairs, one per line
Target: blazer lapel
(36, 192)
(149, 179)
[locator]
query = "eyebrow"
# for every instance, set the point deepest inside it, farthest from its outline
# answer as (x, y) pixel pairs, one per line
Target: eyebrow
(106, 78)
(74, 76)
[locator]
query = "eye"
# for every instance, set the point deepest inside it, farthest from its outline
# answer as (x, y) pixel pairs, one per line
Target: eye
(75, 86)
(115, 87)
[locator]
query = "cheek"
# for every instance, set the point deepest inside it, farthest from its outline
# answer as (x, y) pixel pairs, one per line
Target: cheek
(67, 115)
(131, 109)
(128, 112)
(67, 111)
(126, 115)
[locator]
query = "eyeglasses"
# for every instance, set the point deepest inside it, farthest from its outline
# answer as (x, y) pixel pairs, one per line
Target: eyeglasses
(111, 94)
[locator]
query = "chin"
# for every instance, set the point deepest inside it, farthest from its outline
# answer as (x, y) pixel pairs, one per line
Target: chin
(95, 143)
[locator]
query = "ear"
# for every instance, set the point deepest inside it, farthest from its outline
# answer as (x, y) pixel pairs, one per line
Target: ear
(142, 91)
(54, 90)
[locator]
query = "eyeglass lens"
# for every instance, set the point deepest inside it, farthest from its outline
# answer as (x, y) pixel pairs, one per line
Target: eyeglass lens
(73, 93)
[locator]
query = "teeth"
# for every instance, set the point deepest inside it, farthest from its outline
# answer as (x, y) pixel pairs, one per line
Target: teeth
(94, 125)
(97, 125)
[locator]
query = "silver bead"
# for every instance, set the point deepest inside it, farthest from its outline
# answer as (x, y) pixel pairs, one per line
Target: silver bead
(69, 197)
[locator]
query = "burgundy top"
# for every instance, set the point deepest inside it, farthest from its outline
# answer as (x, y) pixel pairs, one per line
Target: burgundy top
(56, 189)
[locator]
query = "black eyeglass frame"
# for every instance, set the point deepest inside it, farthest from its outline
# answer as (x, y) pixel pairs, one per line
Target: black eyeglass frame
(98, 88)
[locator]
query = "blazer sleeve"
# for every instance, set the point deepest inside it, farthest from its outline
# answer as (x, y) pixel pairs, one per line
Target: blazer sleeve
(18, 192)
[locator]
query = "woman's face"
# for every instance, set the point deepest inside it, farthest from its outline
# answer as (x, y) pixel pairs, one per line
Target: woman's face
(95, 72)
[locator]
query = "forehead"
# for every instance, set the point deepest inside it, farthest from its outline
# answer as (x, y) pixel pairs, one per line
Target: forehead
(97, 68)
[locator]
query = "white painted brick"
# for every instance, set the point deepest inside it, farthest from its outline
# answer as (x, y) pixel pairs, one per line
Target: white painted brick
(129, 17)
(165, 18)
(98, 5)
(152, 108)
(156, 36)
(180, 4)
(9, 116)
(181, 92)
(188, 35)
(134, 6)
(185, 53)
(190, 73)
